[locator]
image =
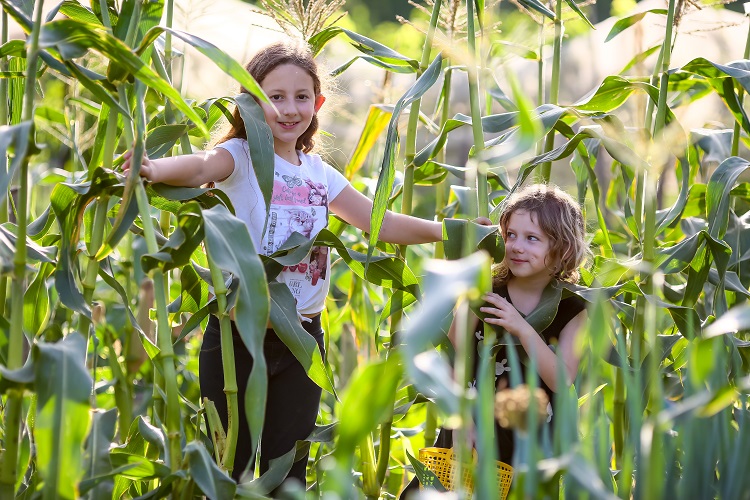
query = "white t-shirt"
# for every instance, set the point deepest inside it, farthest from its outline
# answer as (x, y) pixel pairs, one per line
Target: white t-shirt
(299, 204)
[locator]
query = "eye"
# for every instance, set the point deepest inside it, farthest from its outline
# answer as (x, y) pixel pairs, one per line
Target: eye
(275, 97)
(533, 238)
(510, 235)
(303, 97)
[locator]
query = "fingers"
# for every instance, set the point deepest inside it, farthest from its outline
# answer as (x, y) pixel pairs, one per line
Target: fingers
(483, 221)
(495, 299)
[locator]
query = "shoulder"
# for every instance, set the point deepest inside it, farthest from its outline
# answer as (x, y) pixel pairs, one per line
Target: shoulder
(573, 303)
(316, 162)
(234, 143)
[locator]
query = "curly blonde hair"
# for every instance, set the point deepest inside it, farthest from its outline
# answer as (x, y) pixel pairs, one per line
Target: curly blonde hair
(561, 219)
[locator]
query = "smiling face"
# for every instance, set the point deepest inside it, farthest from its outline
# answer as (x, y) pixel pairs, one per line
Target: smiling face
(527, 248)
(292, 90)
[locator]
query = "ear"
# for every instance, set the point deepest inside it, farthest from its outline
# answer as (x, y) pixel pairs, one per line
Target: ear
(319, 102)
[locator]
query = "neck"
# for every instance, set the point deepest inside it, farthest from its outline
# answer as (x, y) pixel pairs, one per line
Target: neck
(287, 152)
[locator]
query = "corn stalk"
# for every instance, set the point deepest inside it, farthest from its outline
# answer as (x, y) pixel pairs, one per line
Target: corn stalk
(554, 89)
(740, 98)
(14, 401)
(225, 457)
(163, 329)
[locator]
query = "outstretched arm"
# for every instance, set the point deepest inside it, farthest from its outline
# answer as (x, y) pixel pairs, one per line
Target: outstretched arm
(504, 314)
(355, 208)
(186, 170)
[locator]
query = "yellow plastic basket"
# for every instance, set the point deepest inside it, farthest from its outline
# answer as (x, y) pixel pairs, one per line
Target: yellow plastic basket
(441, 462)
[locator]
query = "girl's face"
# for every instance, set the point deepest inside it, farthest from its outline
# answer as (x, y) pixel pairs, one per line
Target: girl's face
(527, 247)
(292, 90)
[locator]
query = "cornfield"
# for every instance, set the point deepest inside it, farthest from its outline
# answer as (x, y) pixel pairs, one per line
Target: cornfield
(106, 281)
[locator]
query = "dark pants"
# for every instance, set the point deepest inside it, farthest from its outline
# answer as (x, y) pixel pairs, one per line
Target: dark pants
(293, 399)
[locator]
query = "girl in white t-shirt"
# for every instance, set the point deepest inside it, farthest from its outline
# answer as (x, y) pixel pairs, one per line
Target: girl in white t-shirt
(305, 188)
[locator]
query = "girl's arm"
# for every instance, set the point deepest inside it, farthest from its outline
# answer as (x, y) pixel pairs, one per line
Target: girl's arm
(186, 170)
(509, 318)
(355, 208)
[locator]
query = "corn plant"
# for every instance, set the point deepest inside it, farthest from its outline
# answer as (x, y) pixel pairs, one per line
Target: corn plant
(105, 279)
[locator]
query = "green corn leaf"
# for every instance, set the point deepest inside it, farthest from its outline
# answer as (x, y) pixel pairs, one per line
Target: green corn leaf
(737, 70)
(278, 468)
(387, 171)
(260, 144)
(15, 48)
(287, 326)
(393, 68)
(96, 455)
(363, 44)
(78, 12)
(183, 241)
(13, 139)
(396, 302)
(626, 22)
(154, 436)
(717, 194)
(368, 401)
(390, 272)
(573, 5)
(63, 386)
(36, 302)
(639, 58)
(486, 238)
(539, 7)
(375, 123)
(426, 477)
(161, 139)
(68, 203)
(493, 124)
(231, 248)
(432, 173)
(34, 252)
(220, 58)
(137, 467)
(736, 319)
(193, 293)
(448, 281)
(73, 38)
(613, 92)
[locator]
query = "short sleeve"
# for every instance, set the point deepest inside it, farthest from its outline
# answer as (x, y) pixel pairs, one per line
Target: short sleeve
(336, 181)
(238, 149)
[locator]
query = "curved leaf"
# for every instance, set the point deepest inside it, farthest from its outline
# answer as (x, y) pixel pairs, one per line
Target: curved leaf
(230, 246)
(717, 194)
(72, 39)
(387, 171)
(626, 22)
(288, 328)
(63, 386)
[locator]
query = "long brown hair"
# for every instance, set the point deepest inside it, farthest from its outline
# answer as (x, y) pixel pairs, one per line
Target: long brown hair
(560, 217)
(293, 52)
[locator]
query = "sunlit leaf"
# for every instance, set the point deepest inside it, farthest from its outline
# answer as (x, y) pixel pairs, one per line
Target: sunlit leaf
(626, 22)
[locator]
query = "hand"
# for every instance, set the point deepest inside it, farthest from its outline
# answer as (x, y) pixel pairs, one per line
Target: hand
(483, 221)
(148, 168)
(506, 316)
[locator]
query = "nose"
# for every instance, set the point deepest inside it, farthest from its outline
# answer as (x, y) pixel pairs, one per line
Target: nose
(516, 247)
(288, 108)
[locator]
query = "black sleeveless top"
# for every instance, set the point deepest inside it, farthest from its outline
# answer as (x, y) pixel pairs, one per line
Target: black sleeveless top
(569, 308)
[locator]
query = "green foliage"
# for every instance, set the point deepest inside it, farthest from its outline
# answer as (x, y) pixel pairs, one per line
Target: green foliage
(101, 397)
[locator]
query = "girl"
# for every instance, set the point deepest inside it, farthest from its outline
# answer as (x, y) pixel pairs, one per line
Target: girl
(544, 234)
(305, 188)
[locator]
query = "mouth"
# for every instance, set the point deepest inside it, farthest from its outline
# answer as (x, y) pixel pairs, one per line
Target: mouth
(517, 261)
(288, 125)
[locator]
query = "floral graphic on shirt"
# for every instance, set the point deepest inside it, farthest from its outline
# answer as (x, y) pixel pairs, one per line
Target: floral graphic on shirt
(298, 205)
